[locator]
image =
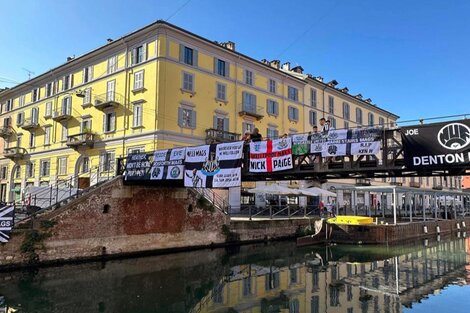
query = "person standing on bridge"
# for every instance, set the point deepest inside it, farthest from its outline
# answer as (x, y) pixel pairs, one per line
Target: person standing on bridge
(324, 128)
(255, 135)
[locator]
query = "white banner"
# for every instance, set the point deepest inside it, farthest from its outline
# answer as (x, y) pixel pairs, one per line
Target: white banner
(271, 156)
(168, 164)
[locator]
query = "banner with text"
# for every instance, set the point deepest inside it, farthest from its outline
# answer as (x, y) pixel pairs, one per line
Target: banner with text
(341, 142)
(214, 166)
(168, 164)
(437, 145)
(271, 155)
(6, 222)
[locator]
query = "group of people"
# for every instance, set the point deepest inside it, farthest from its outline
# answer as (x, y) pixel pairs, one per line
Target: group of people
(254, 136)
(330, 208)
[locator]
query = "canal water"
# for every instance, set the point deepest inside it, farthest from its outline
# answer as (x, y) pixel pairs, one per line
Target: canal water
(427, 276)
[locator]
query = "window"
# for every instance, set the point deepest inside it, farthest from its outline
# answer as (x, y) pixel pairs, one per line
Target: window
(134, 150)
(187, 118)
(107, 161)
(139, 54)
(67, 82)
(65, 132)
(21, 101)
(112, 65)
(4, 172)
(34, 115)
(62, 166)
(249, 102)
(18, 172)
(313, 97)
(45, 168)
(293, 93)
(272, 107)
(137, 115)
(19, 140)
(188, 82)
(49, 89)
(47, 135)
(32, 139)
(381, 121)
(188, 55)
(346, 113)
(249, 77)
(272, 86)
(331, 104)
(359, 116)
(346, 124)
(87, 74)
(9, 105)
(221, 123)
(85, 166)
(138, 80)
(109, 122)
(221, 67)
(370, 119)
(333, 121)
(20, 119)
(87, 97)
(221, 92)
(293, 113)
(66, 106)
(35, 95)
(313, 118)
(272, 133)
(247, 127)
(48, 112)
(30, 169)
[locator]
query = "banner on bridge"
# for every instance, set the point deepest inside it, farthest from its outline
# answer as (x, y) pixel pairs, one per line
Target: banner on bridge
(168, 164)
(271, 155)
(437, 145)
(6, 222)
(341, 142)
(214, 166)
(137, 167)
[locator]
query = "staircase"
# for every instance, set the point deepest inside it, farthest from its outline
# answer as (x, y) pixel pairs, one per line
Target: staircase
(217, 201)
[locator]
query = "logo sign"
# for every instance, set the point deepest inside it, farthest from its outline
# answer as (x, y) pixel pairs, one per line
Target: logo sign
(439, 145)
(454, 136)
(6, 222)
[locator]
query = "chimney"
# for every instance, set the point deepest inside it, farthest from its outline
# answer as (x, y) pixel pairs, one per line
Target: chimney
(319, 78)
(286, 66)
(109, 40)
(275, 63)
(298, 69)
(345, 90)
(358, 96)
(264, 61)
(70, 58)
(368, 100)
(333, 83)
(229, 45)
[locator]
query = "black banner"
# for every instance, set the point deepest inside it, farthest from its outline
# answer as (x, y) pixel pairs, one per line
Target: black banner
(6, 222)
(437, 145)
(137, 167)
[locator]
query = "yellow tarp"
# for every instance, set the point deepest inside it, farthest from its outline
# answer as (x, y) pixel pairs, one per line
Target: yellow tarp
(350, 220)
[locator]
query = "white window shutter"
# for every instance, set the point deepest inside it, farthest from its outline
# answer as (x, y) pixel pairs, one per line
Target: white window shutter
(215, 65)
(193, 119)
(180, 117)
(195, 58)
(113, 122)
(181, 53)
(215, 121)
(144, 52)
(226, 124)
(71, 81)
(227, 69)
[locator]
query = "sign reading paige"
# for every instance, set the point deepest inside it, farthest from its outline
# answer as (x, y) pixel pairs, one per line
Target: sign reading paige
(437, 144)
(271, 156)
(214, 166)
(6, 222)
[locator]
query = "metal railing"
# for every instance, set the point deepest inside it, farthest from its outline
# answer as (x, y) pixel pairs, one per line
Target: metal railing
(217, 135)
(252, 110)
(30, 123)
(82, 139)
(14, 152)
(217, 201)
(109, 98)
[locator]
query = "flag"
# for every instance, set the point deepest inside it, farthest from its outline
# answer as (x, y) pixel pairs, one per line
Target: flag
(168, 164)
(214, 166)
(271, 155)
(300, 144)
(137, 167)
(6, 222)
(336, 143)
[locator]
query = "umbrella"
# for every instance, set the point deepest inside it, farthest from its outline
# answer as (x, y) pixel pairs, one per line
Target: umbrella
(275, 190)
(318, 191)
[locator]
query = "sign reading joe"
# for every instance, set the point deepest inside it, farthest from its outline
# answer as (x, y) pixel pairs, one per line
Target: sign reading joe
(438, 144)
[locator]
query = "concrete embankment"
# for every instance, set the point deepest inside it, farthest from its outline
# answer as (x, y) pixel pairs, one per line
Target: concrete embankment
(117, 220)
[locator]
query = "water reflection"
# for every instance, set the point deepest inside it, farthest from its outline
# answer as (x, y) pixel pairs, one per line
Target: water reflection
(257, 278)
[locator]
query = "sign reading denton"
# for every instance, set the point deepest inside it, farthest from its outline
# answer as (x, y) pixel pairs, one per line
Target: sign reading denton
(271, 155)
(438, 144)
(6, 222)
(214, 166)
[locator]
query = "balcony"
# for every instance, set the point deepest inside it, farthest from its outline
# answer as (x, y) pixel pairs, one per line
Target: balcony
(108, 100)
(218, 136)
(86, 139)
(251, 110)
(30, 124)
(62, 115)
(15, 153)
(5, 132)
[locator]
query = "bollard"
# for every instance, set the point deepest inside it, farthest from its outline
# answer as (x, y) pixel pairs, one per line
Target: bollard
(425, 229)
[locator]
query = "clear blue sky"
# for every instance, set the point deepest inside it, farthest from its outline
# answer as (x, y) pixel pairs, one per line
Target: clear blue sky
(410, 57)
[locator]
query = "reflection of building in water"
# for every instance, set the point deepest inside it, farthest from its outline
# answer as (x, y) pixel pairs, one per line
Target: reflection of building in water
(321, 285)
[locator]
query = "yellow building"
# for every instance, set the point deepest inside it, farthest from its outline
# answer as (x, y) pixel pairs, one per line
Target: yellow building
(158, 87)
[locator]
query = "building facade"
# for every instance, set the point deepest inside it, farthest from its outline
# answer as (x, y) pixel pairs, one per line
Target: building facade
(158, 87)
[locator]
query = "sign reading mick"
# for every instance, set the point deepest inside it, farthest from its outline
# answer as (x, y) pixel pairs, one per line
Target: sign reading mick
(438, 144)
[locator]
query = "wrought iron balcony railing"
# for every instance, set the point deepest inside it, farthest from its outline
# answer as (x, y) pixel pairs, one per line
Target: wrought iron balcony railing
(108, 99)
(30, 124)
(14, 153)
(63, 115)
(252, 110)
(216, 136)
(86, 139)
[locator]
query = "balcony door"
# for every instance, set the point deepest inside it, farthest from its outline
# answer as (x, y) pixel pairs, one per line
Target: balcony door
(110, 90)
